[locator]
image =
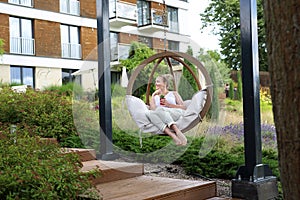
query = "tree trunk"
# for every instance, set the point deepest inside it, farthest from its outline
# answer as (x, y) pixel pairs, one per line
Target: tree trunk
(283, 44)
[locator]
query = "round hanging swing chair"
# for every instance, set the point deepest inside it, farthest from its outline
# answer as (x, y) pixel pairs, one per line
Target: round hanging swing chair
(197, 107)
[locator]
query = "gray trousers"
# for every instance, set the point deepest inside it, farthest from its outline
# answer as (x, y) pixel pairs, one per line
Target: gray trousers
(162, 117)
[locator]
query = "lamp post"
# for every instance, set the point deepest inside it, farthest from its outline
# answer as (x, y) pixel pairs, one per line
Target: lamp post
(254, 180)
(104, 81)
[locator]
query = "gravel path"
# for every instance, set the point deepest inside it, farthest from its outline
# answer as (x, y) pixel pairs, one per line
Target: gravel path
(177, 172)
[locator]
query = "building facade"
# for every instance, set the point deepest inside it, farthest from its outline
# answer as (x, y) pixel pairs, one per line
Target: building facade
(47, 41)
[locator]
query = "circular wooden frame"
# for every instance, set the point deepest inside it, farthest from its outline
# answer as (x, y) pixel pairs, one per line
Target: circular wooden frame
(167, 55)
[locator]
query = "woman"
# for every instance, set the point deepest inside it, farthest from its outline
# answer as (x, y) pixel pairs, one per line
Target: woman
(165, 108)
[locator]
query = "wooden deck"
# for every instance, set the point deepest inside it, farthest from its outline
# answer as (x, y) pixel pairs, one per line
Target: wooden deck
(126, 181)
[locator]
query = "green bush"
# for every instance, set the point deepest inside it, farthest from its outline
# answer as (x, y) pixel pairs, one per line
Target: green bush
(239, 95)
(221, 162)
(44, 114)
(187, 84)
(33, 169)
(231, 90)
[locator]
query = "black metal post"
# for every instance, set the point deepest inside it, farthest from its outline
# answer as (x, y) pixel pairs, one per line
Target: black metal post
(104, 81)
(254, 180)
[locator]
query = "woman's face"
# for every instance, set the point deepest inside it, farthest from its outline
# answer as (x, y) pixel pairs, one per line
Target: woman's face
(159, 83)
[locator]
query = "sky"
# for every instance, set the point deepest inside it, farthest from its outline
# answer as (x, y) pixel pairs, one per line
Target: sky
(204, 39)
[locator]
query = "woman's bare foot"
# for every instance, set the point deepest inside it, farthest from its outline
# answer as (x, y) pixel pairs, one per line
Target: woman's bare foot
(182, 138)
(175, 138)
(179, 135)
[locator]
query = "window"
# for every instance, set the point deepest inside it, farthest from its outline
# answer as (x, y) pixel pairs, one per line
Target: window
(115, 77)
(173, 46)
(21, 36)
(67, 76)
(173, 19)
(146, 40)
(70, 42)
(22, 75)
(143, 13)
(70, 7)
(114, 46)
(22, 2)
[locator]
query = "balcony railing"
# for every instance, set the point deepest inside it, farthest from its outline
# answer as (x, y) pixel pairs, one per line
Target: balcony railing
(122, 10)
(69, 50)
(157, 18)
(70, 7)
(120, 52)
(28, 3)
(20, 45)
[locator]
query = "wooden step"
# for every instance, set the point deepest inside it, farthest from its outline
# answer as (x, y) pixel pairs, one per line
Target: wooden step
(223, 198)
(113, 171)
(148, 187)
(84, 154)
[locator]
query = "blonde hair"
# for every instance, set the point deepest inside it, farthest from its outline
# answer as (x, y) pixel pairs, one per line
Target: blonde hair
(167, 78)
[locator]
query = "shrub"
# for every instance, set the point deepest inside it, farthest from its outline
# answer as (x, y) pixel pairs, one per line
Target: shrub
(231, 90)
(33, 169)
(187, 84)
(45, 114)
(239, 95)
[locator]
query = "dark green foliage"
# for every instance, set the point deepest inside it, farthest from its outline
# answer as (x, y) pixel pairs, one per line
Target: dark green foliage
(33, 169)
(138, 53)
(226, 15)
(221, 162)
(44, 114)
(154, 148)
(231, 90)
(187, 85)
(239, 95)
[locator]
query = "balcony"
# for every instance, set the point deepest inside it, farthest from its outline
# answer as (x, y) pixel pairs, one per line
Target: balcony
(122, 14)
(119, 52)
(157, 22)
(27, 3)
(71, 7)
(69, 50)
(20, 45)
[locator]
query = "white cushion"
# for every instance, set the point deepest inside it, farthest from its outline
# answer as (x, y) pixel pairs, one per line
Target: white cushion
(137, 109)
(193, 110)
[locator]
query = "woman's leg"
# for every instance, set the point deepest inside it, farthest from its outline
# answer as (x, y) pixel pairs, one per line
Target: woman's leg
(173, 135)
(156, 120)
(179, 134)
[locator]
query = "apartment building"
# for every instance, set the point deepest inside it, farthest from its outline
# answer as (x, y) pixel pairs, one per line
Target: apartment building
(47, 41)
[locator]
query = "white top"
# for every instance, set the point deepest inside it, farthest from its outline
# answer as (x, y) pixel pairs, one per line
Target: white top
(170, 97)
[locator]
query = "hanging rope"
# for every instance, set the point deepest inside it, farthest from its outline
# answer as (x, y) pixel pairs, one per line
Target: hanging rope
(165, 22)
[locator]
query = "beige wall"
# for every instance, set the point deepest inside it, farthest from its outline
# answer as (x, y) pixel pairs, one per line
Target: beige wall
(89, 81)
(47, 76)
(5, 74)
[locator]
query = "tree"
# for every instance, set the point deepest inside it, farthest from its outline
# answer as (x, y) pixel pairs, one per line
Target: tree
(187, 85)
(283, 33)
(138, 52)
(213, 58)
(231, 90)
(226, 16)
(239, 92)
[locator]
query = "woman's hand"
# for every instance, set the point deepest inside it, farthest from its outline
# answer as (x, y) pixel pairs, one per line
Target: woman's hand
(165, 103)
(157, 92)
